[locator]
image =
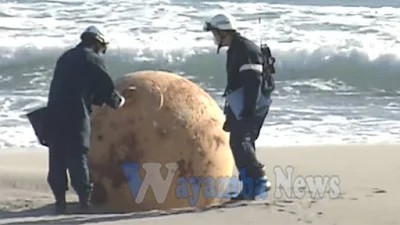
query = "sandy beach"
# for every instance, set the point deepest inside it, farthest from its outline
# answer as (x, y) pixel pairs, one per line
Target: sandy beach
(366, 177)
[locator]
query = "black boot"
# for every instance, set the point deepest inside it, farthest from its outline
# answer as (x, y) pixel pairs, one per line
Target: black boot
(84, 202)
(61, 205)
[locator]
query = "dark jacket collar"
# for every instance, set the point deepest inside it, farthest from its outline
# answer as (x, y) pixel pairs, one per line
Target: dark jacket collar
(236, 37)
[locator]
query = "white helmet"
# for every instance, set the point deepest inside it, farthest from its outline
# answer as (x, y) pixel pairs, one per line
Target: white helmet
(96, 33)
(221, 21)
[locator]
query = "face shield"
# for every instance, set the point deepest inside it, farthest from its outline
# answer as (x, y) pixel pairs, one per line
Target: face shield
(207, 26)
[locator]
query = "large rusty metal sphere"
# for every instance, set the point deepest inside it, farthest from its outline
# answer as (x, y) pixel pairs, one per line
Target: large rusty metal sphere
(166, 119)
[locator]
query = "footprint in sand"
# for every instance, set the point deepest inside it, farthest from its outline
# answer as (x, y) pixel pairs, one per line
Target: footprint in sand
(378, 191)
(282, 203)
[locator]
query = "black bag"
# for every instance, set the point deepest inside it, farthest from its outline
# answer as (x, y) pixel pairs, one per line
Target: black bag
(37, 118)
(268, 70)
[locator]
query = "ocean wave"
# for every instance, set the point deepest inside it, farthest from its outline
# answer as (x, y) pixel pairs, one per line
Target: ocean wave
(317, 98)
(346, 71)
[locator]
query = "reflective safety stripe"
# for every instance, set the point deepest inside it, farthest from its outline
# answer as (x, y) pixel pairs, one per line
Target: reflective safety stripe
(255, 67)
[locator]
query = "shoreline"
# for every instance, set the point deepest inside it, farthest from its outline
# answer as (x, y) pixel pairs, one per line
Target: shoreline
(7, 150)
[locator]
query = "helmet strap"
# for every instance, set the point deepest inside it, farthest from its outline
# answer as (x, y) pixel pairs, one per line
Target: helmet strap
(222, 37)
(219, 47)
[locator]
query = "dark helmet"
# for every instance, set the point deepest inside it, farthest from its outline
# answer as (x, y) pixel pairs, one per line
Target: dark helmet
(94, 32)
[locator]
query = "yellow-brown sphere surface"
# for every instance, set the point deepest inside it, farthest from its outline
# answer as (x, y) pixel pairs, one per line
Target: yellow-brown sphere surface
(166, 119)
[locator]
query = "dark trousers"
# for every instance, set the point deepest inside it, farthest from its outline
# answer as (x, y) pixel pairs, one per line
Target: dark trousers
(243, 134)
(63, 157)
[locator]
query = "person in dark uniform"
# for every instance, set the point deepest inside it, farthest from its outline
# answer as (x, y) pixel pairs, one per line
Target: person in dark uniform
(80, 80)
(247, 72)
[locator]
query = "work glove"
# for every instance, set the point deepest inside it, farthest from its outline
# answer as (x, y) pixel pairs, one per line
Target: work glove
(227, 123)
(226, 126)
(122, 101)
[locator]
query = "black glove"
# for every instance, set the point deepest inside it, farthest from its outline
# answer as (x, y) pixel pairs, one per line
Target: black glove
(226, 126)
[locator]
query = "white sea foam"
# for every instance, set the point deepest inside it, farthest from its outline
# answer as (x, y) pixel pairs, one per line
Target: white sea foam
(171, 25)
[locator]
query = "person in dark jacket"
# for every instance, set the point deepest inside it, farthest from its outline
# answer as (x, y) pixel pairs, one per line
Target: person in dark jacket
(246, 76)
(80, 80)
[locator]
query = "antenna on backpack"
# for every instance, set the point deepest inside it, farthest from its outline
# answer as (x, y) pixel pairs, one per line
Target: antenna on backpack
(259, 30)
(266, 51)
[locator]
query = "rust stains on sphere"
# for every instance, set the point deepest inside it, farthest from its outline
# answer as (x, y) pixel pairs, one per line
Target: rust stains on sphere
(166, 119)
